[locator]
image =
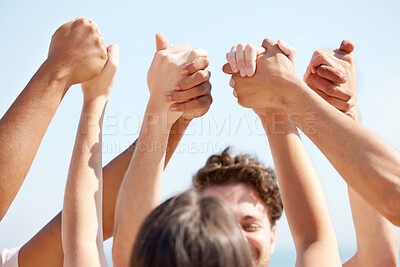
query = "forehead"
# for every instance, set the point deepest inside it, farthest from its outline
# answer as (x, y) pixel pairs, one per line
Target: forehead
(242, 199)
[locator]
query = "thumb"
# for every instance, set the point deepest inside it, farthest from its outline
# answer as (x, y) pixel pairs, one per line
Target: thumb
(267, 43)
(113, 57)
(346, 46)
(227, 68)
(161, 42)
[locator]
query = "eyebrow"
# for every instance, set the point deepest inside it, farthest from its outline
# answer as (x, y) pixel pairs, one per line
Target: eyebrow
(251, 217)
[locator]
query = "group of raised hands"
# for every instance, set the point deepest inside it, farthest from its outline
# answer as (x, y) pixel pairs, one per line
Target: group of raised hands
(323, 105)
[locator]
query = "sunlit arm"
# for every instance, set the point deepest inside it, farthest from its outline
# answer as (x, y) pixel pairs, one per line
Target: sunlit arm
(370, 165)
(302, 194)
(140, 190)
(82, 233)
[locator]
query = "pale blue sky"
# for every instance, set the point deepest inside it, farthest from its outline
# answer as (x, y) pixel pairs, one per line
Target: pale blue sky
(26, 28)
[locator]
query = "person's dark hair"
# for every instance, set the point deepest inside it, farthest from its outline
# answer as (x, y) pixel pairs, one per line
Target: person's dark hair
(223, 169)
(189, 230)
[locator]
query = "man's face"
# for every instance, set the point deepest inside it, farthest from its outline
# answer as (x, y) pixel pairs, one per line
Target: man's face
(252, 216)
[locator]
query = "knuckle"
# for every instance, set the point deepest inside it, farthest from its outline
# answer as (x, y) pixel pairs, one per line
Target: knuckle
(196, 52)
(323, 57)
(347, 106)
(208, 88)
(183, 83)
(318, 52)
(349, 93)
(202, 75)
(199, 91)
(104, 54)
(322, 70)
(173, 96)
(311, 79)
(159, 55)
(326, 98)
(240, 46)
(180, 107)
(205, 62)
(92, 29)
(80, 21)
(209, 99)
(330, 90)
(190, 67)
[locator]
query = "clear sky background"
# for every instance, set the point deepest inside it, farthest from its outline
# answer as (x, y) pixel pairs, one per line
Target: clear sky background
(26, 28)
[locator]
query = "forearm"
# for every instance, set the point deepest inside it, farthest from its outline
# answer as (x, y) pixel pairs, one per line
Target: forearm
(24, 125)
(82, 212)
(379, 249)
(140, 190)
(369, 164)
(303, 198)
(45, 248)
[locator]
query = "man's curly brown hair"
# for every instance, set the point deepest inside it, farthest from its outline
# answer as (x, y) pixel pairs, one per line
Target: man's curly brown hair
(225, 169)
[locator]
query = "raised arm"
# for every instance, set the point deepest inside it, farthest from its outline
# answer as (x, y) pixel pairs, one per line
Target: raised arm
(82, 234)
(340, 89)
(370, 165)
(141, 188)
(76, 55)
(302, 194)
(45, 248)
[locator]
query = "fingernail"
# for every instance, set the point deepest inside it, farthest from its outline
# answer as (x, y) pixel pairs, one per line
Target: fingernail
(344, 79)
(235, 94)
(184, 71)
(234, 68)
(173, 108)
(249, 72)
(284, 44)
(168, 97)
(177, 88)
(242, 72)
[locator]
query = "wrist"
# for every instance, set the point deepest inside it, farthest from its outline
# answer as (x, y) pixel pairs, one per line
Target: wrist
(153, 134)
(58, 72)
(98, 102)
(275, 121)
(159, 109)
(298, 97)
(156, 119)
(95, 100)
(179, 127)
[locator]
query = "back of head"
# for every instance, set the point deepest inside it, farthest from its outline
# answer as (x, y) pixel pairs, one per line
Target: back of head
(223, 169)
(191, 231)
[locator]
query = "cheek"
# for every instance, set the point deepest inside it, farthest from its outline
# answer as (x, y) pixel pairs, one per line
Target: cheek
(257, 240)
